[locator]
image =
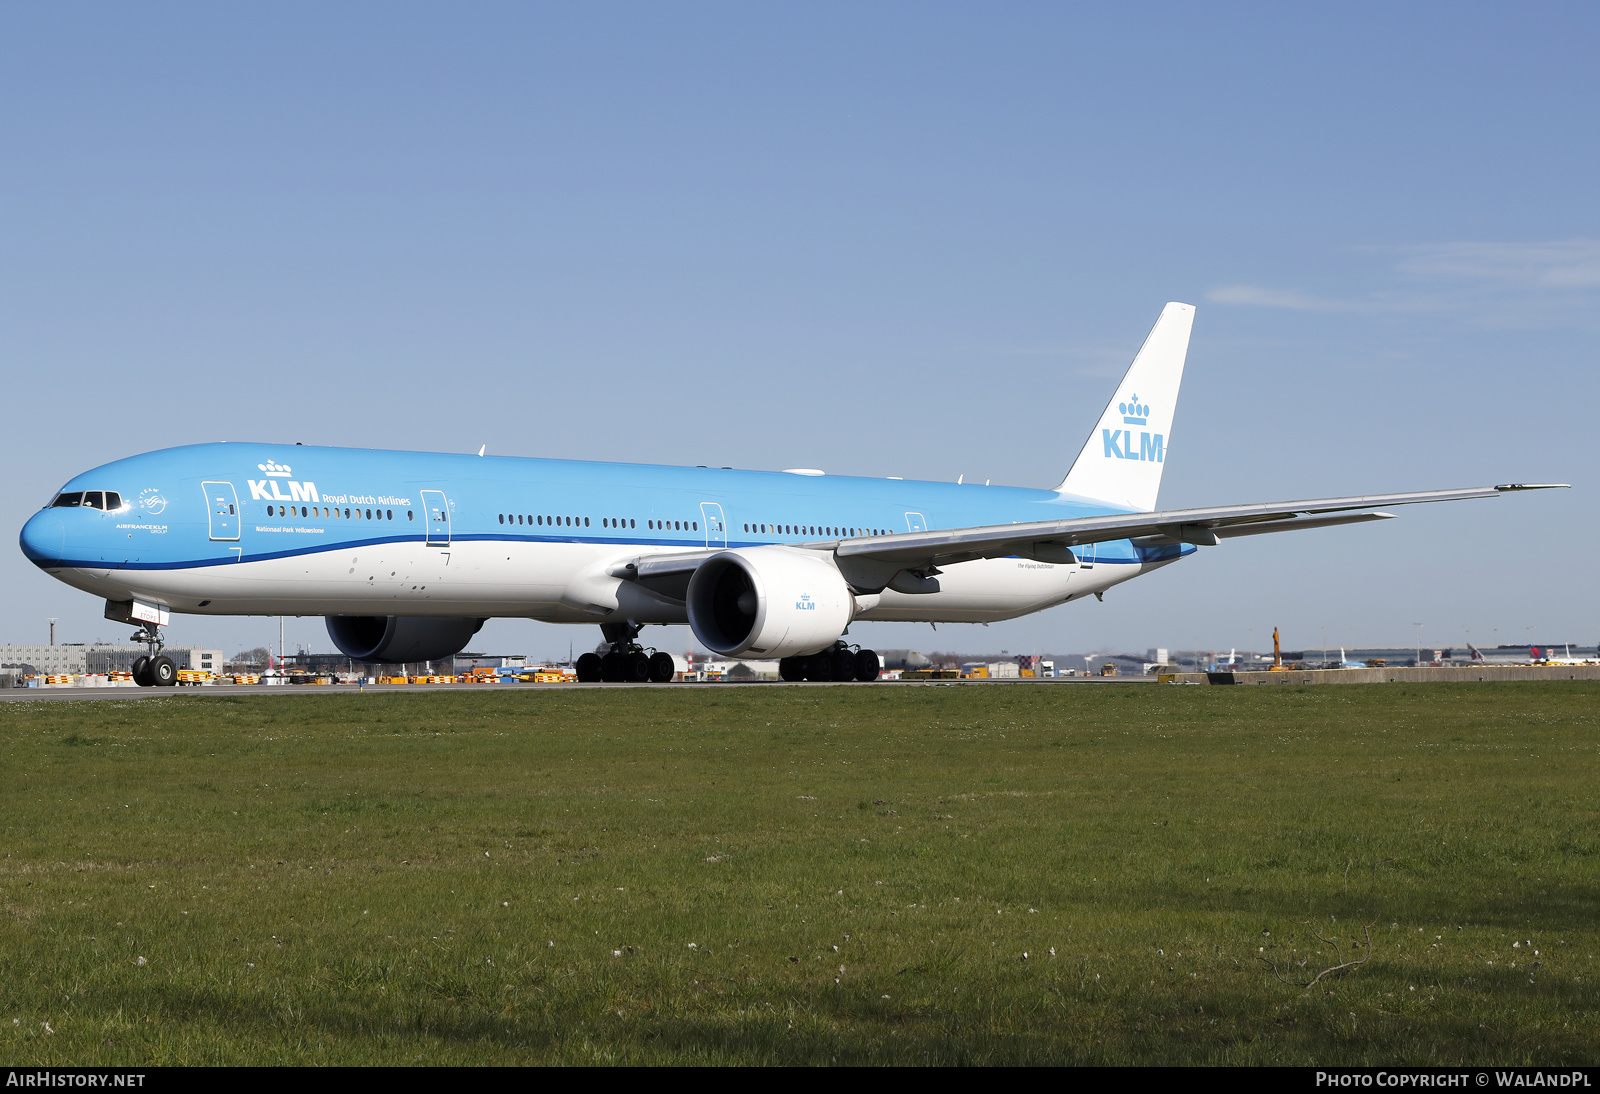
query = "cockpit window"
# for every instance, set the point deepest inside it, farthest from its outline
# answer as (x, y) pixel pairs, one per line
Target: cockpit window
(108, 500)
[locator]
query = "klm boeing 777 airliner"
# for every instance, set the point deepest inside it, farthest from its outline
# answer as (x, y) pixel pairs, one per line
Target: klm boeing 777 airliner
(407, 553)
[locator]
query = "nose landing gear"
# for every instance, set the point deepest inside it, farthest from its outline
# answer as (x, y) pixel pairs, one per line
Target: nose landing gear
(153, 670)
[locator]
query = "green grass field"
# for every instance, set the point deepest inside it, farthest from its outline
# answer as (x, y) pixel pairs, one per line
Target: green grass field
(1004, 874)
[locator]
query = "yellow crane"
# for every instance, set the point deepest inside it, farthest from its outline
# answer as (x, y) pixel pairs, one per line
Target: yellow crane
(1277, 654)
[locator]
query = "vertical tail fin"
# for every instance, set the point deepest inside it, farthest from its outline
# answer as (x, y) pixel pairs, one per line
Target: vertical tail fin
(1122, 461)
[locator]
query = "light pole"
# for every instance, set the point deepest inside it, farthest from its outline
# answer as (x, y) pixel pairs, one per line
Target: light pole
(1419, 643)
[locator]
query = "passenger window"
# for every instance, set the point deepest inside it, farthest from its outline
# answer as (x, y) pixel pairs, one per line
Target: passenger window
(586, 522)
(408, 515)
(632, 524)
(502, 518)
(696, 526)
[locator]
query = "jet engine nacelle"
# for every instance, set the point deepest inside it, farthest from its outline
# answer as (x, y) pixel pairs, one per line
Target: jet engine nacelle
(397, 639)
(769, 602)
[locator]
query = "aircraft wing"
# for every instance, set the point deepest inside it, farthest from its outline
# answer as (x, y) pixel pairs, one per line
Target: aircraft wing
(1050, 541)
(872, 561)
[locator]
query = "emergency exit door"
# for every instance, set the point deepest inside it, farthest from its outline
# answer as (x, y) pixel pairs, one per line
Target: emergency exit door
(716, 529)
(222, 503)
(436, 508)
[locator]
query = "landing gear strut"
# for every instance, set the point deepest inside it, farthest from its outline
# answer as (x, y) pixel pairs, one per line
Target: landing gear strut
(153, 670)
(626, 661)
(840, 663)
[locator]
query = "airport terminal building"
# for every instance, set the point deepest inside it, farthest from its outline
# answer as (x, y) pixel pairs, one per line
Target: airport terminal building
(75, 659)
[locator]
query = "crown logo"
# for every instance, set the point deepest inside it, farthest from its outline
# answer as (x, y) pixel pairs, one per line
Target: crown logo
(1134, 412)
(275, 470)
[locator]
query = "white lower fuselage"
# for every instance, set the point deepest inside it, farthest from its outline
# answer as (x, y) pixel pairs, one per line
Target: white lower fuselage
(551, 582)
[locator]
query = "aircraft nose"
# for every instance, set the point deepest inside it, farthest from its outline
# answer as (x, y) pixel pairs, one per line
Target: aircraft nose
(44, 537)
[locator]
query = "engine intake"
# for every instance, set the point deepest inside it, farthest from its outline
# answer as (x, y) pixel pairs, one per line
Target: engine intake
(769, 601)
(397, 639)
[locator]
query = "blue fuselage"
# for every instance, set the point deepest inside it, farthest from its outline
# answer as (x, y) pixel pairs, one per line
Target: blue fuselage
(223, 511)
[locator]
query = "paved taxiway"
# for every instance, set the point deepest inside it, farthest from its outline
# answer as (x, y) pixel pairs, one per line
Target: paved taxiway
(25, 695)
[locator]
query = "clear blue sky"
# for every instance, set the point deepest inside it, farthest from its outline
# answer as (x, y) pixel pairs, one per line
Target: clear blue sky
(884, 239)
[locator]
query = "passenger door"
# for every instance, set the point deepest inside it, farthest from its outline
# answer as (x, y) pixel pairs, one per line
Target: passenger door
(716, 530)
(222, 505)
(437, 509)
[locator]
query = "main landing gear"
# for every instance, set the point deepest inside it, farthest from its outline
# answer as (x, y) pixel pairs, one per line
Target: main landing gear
(153, 670)
(627, 662)
(841, 663)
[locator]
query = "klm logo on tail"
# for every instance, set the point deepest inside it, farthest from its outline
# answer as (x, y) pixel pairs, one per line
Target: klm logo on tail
(1119, 442)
